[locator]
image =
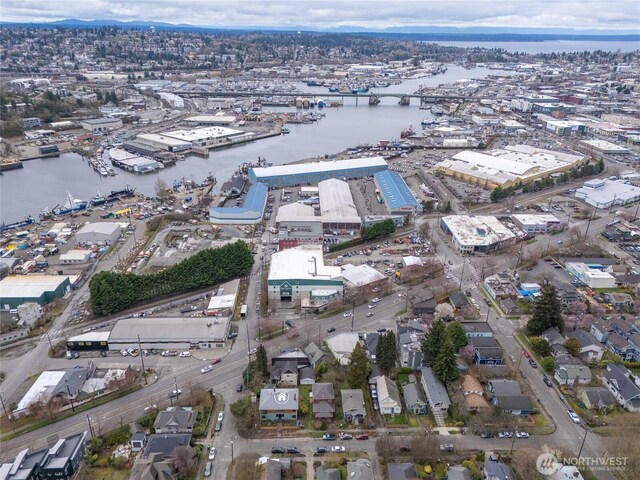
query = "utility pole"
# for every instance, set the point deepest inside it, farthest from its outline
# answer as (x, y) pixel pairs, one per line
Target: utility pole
(49, 340)
(144, 373)
(583, 440)
(4, 408)
(588, 225)
(353, 311)
(70, 399)
(90, 427)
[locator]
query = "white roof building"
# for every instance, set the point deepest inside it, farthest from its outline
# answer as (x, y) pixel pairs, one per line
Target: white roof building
(341, 346)
(41, 389)
(591, 276)
(99, 233)
(336, 205)
(477, 234)
(361, 275)
(411, 260)
(603, 146)
(606, 193)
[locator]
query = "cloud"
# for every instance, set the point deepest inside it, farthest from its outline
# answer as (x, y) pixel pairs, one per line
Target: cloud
(334, 13)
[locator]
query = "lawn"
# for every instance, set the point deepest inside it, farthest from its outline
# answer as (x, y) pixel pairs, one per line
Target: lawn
(403, 378)
(102, 473)
(399, 419)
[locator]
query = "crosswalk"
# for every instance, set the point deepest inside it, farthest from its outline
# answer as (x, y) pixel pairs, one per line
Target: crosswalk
(470, 276)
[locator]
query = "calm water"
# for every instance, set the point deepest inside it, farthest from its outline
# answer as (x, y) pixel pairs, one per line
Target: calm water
(44, 183)
(550, 46)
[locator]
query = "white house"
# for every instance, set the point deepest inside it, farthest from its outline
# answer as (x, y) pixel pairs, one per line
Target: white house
(388, 397)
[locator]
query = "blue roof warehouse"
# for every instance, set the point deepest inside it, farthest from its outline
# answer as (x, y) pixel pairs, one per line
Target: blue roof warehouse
(311, 173)
(398, 199)
(251, 211)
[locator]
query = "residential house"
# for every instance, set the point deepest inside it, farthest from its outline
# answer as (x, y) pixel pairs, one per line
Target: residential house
(634, 341)
(414, 399)
(278, 404)
(297, 355)
(597, 398)
(617, 379)
(426, 306)
(323, 400)
(486, 351)
(517, 405)
(65, 458)
(570, 375)
(402, 471)
(552, 336)
(175, 420)
(353, 407)
(458, 472)
(341, 346)
(591, 349)
(601, 330)
(273, 469)
(477, 329)
(501, 285)
(26, 466)
(388, 397)
(410, 349)
(164, 444)
(494, 470)
(374, 375)
(499, 387)
(138, 441)
(371, 344)
(284, 374)
(567, 293)
(619, 301)
(307, 376)
(316, 354)
(458, 300)
(618, 345)
(510, 306)
(361, 469)
(473, 394)
(436, 393)
(155, 467)
(323, 473)
(622, 327)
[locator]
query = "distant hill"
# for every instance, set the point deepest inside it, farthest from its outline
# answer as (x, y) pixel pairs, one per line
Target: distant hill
(424, 33)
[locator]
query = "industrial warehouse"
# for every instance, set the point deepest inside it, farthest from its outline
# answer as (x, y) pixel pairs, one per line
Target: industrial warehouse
(507, 167)
(41, 289)
(250, 213)
(158, 333)
(300, 273)
(481, 234)
(398, 199)
(308, 173)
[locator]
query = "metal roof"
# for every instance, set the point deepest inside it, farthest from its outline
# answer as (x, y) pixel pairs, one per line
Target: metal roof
(304, 262)
(336, 202)
(169, 329)
(315, 167)
(107, 228)
(395, 190)
(252, 208)
(30, 286)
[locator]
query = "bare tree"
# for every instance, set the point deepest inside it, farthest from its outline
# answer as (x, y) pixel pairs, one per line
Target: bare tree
(524, 461)
(162, 190)
(184, 460)
(386, 447)
(444, 310)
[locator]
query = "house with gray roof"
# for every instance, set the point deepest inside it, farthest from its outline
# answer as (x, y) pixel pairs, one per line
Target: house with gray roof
(297, 355)
(273, 469)
(618, 345)
(601, 330)
(517, 405)
(278, 404)
(591, 349)
(436, 393)
(285, 373)
(323, 400)
(165, 443)
(371, 344)
(598, 398)
(316, 354)
(497, 471)
(353, 407)
(307, 376)
(477, 329)
(175, 420)
(458, 472)
(323, 473)
(402, 471)
(618, 379)
(552, 335)
(414, 399)
(361, 469)
(155, 467)
(374, 375)
(569, 375)
(499, 386)
(71, 383)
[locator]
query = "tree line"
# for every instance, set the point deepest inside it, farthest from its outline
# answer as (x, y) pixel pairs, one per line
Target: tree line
(112, 292)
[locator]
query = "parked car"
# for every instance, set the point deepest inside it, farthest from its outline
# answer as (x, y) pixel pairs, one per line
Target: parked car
(212, 453)
(175, 393)
(322, 450)
(328, 437)
(338, 448)
(150, 408)
(185, 354)
(206, 369)
(347, 314)
(381, 330)
(574, 416)
(290, 324)
(533, 363)
(362, 436)
(547, 382)
(221, 416)
(216, 360)
(218, 426)
(487, 301)
(207, 469)
(526, 354)
(371, 306)
(522, 435)
(239, 387)
(123, 352)
(253, 350)
(331, 329)
(375, 300)
(277, 450)
(446, 447)
(405, 448)
(370, 314)
(232, 335)
(486, 435)
(505, 435)
(346, 436)
(293, 450)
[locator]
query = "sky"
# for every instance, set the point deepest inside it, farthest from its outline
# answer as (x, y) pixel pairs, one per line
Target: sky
(327, 14)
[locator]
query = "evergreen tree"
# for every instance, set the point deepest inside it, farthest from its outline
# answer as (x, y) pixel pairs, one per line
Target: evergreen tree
(457, 335)
(262, 364)
(445, 366)
(547, 312)
(386, 351)
(358, 367)
(433, 340)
